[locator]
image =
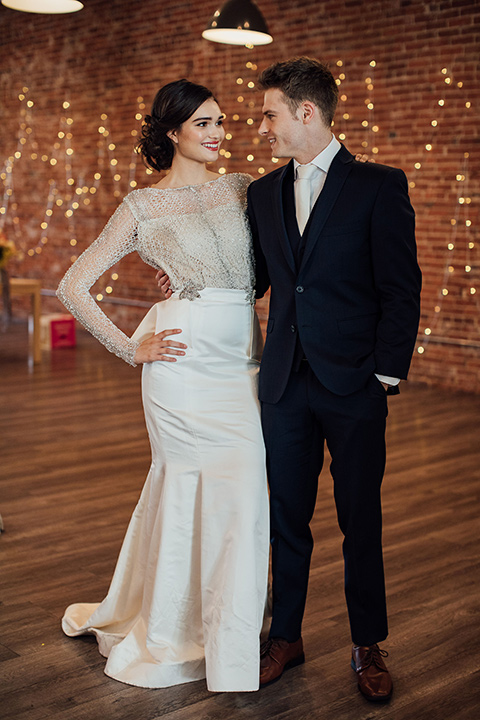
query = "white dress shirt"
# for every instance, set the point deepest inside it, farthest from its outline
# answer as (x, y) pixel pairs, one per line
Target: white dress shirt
(323, 161)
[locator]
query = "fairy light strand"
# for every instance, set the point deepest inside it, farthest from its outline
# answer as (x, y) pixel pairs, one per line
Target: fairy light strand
(461, 220)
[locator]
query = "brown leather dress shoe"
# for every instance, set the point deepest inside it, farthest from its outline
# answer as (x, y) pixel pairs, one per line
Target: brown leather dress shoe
(374, 681)
(277, 655)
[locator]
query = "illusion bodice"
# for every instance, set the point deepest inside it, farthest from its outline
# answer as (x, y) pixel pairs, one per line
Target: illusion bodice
(198, 234)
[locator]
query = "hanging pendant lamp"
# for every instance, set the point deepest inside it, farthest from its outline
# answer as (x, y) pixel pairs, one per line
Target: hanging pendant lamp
(239, 22)
(47, 7)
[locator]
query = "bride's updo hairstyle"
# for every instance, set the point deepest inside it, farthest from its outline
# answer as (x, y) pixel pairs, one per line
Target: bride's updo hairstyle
(173, 105)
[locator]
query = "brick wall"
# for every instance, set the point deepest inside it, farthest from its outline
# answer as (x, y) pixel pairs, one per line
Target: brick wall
(110, 58)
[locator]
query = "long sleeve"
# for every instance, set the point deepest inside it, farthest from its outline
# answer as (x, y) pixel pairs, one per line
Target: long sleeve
(262, 280)
(118, 238)
(397, 276)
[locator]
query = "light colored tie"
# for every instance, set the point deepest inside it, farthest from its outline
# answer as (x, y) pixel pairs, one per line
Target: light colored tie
(303, 194)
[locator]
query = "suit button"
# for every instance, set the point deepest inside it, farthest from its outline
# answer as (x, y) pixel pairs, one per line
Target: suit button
(299, 288)
(293, 328)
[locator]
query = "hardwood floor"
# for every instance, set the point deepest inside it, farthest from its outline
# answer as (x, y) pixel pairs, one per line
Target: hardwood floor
(74, 456)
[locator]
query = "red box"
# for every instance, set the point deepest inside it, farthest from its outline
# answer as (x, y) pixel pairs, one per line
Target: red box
(57, 331)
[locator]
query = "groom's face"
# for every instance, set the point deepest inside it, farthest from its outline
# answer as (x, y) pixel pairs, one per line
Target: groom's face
(283, 130)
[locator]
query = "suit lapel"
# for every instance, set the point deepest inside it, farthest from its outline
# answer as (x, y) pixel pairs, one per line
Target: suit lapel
(336, 176)
(279, 215)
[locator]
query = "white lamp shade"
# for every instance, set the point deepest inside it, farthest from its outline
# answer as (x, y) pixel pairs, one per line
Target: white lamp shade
(238, 22)
(236, 36)
(48, 7)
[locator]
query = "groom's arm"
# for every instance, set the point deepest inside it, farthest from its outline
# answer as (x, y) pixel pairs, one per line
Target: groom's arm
(262, 279)
(396, 274)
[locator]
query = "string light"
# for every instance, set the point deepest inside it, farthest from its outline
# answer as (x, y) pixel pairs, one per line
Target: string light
(463, 199)
(76, 193)
(247, 104)
(461, 179)
(345, 115)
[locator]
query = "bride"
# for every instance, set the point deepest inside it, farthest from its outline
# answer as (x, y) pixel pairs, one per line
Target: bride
(188, 594)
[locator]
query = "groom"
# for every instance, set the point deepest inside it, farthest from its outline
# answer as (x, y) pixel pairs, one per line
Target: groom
(334, 240)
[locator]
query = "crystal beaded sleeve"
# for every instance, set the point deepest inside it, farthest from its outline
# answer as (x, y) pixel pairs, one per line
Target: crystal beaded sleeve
(118, 238)
(198, 234)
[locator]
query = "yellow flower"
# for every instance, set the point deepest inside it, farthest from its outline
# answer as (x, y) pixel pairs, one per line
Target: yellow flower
(7, 249)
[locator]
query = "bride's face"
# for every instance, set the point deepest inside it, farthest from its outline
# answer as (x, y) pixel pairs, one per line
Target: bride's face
(200, 137)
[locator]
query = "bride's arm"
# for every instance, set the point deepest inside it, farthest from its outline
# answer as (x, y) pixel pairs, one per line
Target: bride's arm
(118, 238)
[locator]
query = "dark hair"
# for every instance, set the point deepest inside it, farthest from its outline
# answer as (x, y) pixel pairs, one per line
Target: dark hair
(301, 79)
(173, 104)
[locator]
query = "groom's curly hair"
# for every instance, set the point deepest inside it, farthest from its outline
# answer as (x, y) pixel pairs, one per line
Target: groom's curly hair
(301, 79)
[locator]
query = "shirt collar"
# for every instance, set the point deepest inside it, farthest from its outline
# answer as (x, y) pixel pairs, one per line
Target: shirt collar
(324, 159)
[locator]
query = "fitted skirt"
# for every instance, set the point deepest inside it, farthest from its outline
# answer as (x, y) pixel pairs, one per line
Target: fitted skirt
(188, 595)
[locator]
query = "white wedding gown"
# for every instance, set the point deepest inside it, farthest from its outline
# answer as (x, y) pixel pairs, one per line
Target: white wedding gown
(188, 595)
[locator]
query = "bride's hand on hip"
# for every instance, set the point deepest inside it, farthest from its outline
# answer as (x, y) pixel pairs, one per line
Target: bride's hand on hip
(159, 347)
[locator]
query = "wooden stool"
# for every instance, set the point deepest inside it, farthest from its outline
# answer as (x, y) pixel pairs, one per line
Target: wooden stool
(29, 286)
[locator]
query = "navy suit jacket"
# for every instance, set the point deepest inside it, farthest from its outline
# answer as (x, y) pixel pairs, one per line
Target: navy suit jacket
(353, 297)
